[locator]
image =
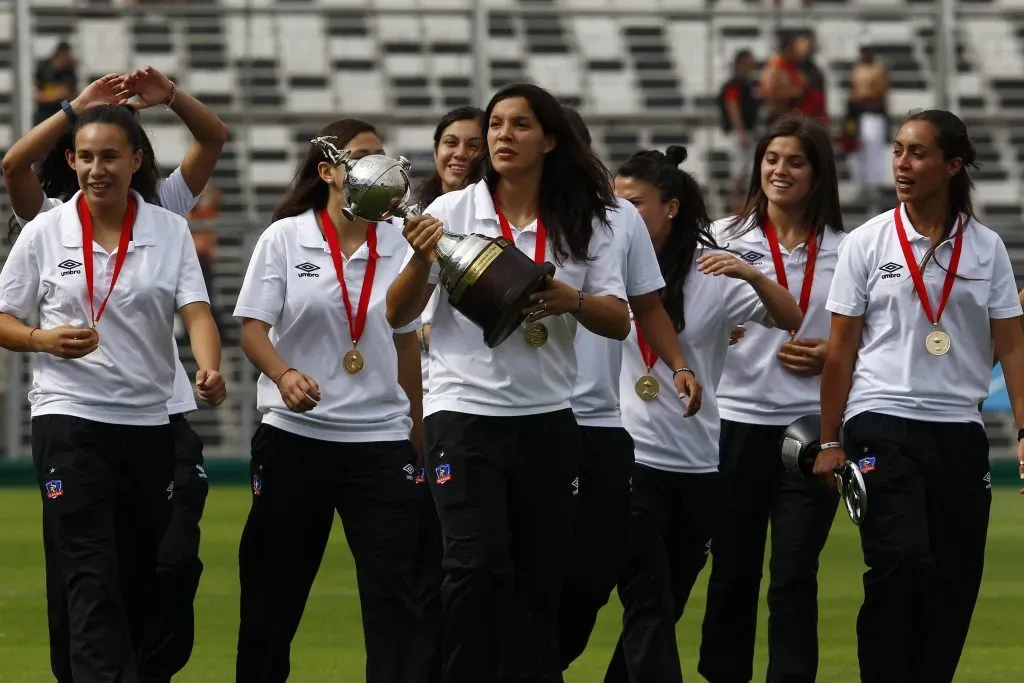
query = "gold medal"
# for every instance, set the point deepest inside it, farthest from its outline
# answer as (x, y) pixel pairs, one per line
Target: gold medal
(648, 387)
(536, 334)
(353, 361)
(937, 343)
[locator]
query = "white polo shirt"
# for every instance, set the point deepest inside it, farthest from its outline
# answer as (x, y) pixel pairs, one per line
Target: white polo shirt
(176, 197)
(663, 438)
(755, 388)
(595, 399)
(130, 377)
(427, 318)
(514, 378)
(292, 286)
(894, 374)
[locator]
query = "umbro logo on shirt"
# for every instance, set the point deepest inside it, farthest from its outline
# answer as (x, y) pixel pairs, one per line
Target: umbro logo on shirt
(69, 267)
(891, 270)
(752, 257)
(308, 269)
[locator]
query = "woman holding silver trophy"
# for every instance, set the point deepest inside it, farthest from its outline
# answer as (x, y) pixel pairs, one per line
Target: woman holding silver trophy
(502, 444)
(922, 300)
(341, 397)
(790, 228)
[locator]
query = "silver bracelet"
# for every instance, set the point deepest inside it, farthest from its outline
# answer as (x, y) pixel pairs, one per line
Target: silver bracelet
(828, 445)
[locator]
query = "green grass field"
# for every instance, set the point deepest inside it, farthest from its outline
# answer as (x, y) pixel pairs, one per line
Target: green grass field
(329, 643)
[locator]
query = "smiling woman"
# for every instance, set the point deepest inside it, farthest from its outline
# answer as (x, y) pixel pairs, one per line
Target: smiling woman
(105, 273)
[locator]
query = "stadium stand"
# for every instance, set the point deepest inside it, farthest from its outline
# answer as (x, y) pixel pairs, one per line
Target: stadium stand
(277, 70)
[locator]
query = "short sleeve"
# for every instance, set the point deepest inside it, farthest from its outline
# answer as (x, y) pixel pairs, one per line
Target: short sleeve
(1003, 301)
(48, 204)
(191, 283)
(604, 272)
(264, 288)
(643, 273)
(174, 194)
(19, 279)
(741, 302)
(438, 209)
(848, 294)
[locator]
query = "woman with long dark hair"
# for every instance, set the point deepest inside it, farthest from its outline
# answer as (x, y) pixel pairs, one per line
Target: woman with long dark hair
(502, 444)
(340, 395)
(598, 550)
(790, 229)
(170, 632)
(922, 300)
(675, 480)
(105, 273)
(458, 146)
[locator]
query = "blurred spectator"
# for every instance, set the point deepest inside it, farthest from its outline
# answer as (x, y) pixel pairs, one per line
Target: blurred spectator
(813, 103)
(785, 85)
(740, 107)
(56, 80)
(202, 220)
(866, 127)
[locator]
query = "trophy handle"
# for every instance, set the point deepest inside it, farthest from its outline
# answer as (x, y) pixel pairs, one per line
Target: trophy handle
(336, 156)
(851, 487)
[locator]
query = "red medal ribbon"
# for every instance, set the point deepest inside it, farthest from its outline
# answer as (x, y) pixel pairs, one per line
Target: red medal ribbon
(915, 270)
(355, 327)
(780, 267)
(122, 250)
(649, 356)
(506, 230)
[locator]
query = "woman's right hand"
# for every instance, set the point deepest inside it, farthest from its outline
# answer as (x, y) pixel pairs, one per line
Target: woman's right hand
(299, 392)
(65, 341)
(827, 462)
(423, 233)
(104, 90)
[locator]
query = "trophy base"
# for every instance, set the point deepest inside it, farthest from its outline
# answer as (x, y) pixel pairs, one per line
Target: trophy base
(496, 288)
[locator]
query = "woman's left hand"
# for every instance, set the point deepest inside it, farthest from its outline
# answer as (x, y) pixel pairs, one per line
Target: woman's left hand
(556, 299)
(149, 86)
(724, 263)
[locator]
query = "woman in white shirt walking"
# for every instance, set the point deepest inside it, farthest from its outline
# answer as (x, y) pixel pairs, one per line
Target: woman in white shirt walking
(170, 632)
(923, 299)
(105, 273)
(790, 229)
(606, 466)
(502, 444)
(675, 484)
(340, 395)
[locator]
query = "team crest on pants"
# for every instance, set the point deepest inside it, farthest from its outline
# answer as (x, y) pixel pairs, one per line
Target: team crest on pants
(443, 472)
(421, 475)
(866, 464)
(54, 488)
(257, 484)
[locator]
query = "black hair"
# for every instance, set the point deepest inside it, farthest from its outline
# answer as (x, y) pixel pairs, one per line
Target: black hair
(823, 209)
(431, 188)
(691, 226)
(952, 138)
(575, 186)
(740, 56)
(579, 125)
(307, 189)
(59, 181)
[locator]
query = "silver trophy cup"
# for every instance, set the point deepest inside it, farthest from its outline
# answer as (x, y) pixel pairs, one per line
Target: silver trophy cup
(488, 280)
(800, 445)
